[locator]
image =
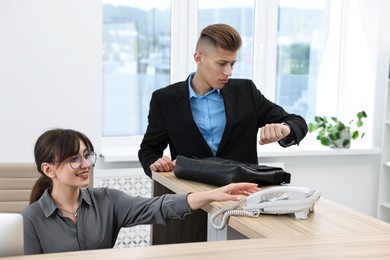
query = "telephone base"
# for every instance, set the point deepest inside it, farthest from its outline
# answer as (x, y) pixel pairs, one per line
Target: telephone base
(301, 215)
(287, 200)
(275, 200)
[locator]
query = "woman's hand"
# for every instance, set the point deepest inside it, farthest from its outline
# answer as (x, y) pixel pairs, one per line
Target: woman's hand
(225, 193)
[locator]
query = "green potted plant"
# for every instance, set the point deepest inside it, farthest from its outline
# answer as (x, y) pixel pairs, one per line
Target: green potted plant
(336, 134)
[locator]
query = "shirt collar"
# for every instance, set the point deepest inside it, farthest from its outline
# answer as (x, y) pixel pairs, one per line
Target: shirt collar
(47, 204)
(86, 196)
(49, 207)
(192, 92)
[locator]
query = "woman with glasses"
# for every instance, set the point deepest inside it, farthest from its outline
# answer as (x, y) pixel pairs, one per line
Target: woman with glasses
(63, 217)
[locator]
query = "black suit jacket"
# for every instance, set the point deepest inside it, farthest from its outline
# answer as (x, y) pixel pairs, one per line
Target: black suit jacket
(171, 122)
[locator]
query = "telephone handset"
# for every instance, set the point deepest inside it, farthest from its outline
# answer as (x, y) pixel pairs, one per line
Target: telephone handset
(274, 200)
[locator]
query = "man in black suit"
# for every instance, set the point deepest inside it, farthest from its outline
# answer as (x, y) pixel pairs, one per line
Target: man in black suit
(212, 115)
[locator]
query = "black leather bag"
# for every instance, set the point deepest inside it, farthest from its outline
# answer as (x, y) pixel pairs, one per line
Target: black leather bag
(220, 172)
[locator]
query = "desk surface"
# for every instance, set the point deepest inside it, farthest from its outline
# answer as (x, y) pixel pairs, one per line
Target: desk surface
(328, 218)
(363, 246)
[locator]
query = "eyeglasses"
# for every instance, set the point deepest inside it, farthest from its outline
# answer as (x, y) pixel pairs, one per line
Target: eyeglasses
(76, 161)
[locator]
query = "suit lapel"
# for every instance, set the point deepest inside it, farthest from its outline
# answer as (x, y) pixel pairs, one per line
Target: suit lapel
(185, 112)
(229, 99)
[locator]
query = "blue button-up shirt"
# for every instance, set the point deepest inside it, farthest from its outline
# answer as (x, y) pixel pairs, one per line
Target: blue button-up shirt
(209, 115)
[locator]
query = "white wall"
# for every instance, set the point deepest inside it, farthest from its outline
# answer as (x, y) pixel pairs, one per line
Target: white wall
(365, 62)
(50, 71)
(351, 180)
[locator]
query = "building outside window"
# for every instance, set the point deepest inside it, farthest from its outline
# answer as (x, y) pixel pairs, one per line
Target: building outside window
(136, 61)
(308, 60)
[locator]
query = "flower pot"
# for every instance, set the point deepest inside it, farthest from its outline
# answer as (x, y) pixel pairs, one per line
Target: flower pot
(344, 141)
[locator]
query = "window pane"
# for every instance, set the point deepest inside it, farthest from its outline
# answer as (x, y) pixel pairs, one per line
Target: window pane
(238, 14)
(136, 61)
(308, 48)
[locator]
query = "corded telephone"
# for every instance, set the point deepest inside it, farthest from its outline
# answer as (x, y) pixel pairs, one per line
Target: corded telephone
(274, 200)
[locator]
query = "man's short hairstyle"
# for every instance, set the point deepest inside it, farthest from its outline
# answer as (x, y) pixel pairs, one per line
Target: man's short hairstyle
(220, 35)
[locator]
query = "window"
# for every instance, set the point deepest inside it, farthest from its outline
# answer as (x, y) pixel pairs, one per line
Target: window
(240, 15)
(308, 60)
(136, 60)
(292, 49)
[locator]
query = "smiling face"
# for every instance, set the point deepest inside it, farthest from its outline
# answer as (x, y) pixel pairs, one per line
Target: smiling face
(73, 172)
(215, 66)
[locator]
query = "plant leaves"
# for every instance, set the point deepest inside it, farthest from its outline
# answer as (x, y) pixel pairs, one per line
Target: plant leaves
(361, 114)
(325, 141)
(329, 132)
(346, 142)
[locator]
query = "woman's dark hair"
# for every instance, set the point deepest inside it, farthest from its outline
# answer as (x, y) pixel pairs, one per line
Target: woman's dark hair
(55, 145)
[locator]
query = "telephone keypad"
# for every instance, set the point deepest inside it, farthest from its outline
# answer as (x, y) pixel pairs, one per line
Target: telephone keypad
(275, 196)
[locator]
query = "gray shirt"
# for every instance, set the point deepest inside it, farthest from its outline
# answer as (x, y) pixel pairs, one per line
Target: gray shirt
(102, 213)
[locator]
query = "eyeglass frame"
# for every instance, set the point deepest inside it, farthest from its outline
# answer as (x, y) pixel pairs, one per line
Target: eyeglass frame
(80, 160)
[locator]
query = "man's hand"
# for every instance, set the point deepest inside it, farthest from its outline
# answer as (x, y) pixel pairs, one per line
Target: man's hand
(163, 164)
(271, 133)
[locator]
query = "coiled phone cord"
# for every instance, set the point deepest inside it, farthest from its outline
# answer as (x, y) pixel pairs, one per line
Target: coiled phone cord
(230, 211)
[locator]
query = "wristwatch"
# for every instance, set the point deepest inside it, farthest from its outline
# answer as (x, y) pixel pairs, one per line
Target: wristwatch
(288, 140)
